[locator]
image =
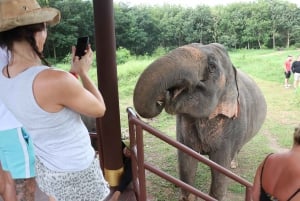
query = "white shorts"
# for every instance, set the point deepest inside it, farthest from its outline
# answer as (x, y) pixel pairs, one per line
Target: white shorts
(84, 185)
(297, 76)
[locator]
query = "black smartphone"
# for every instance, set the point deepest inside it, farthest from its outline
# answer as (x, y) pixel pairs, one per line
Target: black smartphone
(81, 46)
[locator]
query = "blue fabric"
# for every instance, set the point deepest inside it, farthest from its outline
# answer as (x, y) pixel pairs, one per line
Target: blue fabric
(16, 153)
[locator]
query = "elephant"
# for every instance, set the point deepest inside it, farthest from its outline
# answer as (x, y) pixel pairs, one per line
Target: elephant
(89, 122)
(218, 108)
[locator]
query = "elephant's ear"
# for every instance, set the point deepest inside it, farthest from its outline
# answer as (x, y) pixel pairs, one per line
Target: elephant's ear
(229, 107)
(229, 104)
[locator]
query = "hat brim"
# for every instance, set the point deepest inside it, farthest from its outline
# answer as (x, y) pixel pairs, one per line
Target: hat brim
(50, 16)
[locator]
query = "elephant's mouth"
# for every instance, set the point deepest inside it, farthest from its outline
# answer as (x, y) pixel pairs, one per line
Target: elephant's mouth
(170, 101)
(170, 94)
(175, 91)
(160, 103)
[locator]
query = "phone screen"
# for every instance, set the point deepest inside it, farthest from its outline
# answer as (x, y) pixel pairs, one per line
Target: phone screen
(82, 44)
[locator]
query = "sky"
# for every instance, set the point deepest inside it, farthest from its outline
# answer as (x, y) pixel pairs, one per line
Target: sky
(188, 3)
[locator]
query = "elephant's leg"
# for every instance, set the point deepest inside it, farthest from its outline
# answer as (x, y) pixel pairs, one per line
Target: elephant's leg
(186, 134)
(219, 182)
(187, 173)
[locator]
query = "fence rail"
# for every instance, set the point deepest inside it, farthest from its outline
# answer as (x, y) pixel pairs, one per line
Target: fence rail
(136, 128)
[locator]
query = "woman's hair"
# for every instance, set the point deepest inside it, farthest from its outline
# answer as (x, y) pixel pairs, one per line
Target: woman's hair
(7, 38)
(297, 135)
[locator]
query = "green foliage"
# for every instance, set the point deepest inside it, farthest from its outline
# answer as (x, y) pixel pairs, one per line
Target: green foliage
(238, 25)
(75, 22)
(297, 45)
(123, 55)
(159, 51)
(67, 59)
(143, 29)
(136, 29)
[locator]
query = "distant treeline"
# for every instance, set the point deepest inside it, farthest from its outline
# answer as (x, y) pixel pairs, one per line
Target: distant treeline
(144, 29)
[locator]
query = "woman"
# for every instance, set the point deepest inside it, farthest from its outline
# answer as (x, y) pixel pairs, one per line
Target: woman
(48, 102)
(16, 155)
(277, 178)
(16, 151)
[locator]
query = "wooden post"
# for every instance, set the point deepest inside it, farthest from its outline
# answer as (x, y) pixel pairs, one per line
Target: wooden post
(108, 127)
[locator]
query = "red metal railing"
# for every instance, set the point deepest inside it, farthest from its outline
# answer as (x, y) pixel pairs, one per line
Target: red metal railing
(136, 127)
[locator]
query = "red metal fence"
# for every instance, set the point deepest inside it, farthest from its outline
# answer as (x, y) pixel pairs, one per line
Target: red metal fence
(136, 127)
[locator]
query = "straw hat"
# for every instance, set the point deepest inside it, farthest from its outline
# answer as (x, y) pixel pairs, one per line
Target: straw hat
(15, 13)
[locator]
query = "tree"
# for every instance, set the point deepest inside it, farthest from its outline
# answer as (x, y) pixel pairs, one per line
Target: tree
(172, 26)
(142, 29)
(289, 22)
(75, 22)
(136, 29)
(200, 25)
(257, 25)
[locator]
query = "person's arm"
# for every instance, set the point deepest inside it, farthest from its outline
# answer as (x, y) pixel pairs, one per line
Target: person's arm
(256, 184)
(81, 67)
(55, 89)
(284, 66)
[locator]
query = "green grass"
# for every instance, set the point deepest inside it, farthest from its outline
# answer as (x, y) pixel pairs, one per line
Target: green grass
(263, 64)
(266, 68)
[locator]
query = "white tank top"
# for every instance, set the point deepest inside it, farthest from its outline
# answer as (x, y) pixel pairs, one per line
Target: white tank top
(7, 120)
(61, 139)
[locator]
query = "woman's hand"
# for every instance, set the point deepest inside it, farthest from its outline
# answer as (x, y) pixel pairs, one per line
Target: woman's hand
(83, 65)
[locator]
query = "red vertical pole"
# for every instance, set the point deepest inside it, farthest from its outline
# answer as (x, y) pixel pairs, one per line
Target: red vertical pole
(140, 162)
(248, 196)
(109, 126)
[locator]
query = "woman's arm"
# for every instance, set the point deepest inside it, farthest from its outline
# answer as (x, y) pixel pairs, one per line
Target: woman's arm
(81, 68)
(55, 89)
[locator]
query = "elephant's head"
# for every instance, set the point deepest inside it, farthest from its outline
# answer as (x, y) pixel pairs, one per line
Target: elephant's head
(195, 79)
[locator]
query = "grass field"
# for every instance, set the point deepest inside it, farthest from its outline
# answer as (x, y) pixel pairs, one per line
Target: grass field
(283, 114)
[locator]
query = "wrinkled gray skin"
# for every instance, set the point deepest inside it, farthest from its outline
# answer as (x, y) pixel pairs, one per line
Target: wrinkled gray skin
(218, 108)
(90, 123)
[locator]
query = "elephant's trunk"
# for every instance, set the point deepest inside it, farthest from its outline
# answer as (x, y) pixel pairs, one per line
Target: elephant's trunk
(164, 78)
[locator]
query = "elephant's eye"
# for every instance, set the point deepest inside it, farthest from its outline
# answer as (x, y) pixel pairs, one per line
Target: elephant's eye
(211, 63)
(211, 67)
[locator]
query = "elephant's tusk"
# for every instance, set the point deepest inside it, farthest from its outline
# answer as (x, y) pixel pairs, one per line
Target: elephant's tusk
(160, 103)
(177, 92)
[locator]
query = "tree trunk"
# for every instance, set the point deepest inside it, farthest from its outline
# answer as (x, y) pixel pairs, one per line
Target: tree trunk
(54, 53)
(288, 39)
(274, 42)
